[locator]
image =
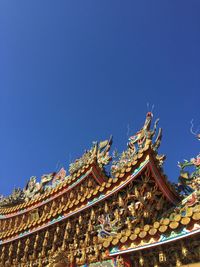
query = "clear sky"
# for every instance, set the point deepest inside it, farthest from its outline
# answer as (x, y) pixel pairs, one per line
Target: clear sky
(72, 72)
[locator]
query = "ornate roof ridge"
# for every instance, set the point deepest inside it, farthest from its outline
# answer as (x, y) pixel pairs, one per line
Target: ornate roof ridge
(34, 192)
(37, 193)
(92, 197)
(55, 192)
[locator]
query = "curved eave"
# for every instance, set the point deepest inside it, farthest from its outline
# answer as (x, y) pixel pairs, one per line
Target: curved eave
(150, 244)
(162, 183)
(91, 202)
(106, 190)
(93, 170)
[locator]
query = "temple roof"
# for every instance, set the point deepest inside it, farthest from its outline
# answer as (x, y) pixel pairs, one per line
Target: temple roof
(59, 196)
(35, 193)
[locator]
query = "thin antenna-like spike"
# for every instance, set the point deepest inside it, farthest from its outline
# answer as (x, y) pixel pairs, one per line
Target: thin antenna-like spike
(191, 128)
(195, 133)
(152, 108)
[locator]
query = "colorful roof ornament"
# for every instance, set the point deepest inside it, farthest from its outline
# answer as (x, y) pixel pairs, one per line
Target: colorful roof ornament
(98, 153)
(60, 176)
(140, 140)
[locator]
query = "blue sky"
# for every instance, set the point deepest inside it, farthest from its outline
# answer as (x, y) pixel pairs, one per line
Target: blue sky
(72, 72)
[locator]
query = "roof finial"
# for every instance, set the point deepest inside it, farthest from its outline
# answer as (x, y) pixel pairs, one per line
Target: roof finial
(150, 112)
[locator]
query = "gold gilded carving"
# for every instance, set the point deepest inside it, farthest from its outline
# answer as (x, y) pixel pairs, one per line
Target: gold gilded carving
(99, 152)
(58, 259)
(162, 256)
(139, 142)
(120, 261)
(33, 215)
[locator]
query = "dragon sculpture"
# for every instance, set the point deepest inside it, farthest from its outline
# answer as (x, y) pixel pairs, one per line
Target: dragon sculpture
(16, 197)
(138, 141)
(99, 151)
(34, 189)
(31, 190)
(190, 182)
(107, 227)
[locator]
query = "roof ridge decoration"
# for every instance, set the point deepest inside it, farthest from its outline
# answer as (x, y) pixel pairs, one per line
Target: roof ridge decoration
(129, 213)
(15, 198)
(143, 138)
(32, 190)
(98, 153)
(189, 182)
